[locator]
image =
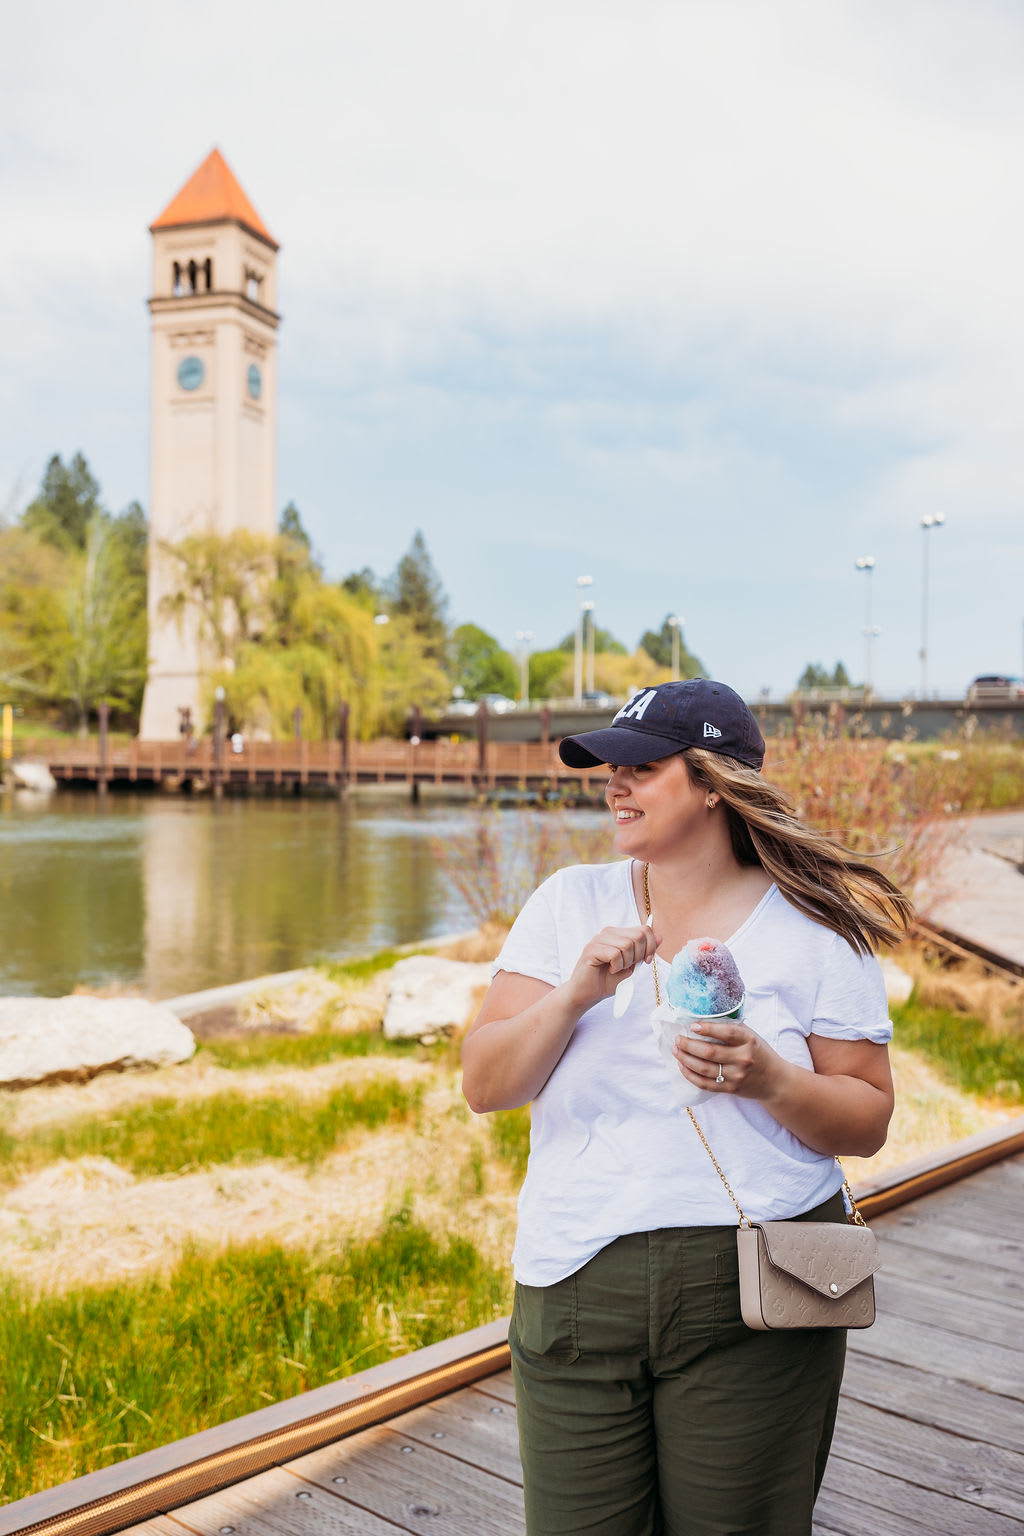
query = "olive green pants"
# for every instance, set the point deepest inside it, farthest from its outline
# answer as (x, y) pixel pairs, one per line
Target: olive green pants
(647, 1408)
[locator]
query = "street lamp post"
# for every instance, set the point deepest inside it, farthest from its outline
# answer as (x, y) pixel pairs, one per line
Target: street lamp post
(524, 636)
(675, 624)
(577, 690)
(929, 520)
(866, 563)
(588, 610)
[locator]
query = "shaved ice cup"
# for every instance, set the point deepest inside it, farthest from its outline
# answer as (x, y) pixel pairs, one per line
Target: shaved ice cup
(668, 1024)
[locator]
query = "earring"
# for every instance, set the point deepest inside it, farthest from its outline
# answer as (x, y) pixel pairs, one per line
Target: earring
(712, 802)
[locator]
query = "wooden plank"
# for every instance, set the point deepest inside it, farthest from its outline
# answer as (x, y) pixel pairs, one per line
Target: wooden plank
(895, 1507)
(499, 1386)
(471, 1426)
(964, 1312)
(845, 1515)
(963, 1359)
(416, 1488)
(277, 1504)
(930, 1398)
(950, 1272)
(934, 1231)
(967, 1469)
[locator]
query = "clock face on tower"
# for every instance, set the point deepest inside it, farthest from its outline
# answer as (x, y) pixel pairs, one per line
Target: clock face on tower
(254, 381)
(191, 372)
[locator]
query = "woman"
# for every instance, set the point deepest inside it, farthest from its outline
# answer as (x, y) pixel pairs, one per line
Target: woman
(645, 1405)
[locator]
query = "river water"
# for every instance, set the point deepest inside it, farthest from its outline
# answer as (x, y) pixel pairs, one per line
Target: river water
(172, 895)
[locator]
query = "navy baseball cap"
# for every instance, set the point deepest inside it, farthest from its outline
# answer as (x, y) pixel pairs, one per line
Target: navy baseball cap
(660, 721)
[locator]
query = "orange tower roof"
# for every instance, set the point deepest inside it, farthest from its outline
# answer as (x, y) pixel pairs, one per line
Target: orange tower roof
(212, 194)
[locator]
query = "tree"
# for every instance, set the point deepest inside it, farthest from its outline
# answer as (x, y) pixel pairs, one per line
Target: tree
(415, 593)
(73, 598)
(223, 583)
(104, 660)
(480, 665)
(814, 675)
(68, 501)
(658, 645)
(604, 640)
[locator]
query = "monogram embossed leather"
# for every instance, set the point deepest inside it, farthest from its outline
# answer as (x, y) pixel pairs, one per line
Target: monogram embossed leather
(807, 1274)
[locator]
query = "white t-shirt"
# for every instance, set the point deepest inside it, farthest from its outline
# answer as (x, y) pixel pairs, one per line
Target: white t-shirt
(611, 1149)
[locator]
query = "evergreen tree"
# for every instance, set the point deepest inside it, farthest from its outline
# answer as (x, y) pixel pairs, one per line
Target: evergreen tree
(68, 500)
(658, 645)
(416, 594)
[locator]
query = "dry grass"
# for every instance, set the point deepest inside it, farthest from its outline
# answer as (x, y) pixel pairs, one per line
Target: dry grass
(967, 988)
(78, 1222)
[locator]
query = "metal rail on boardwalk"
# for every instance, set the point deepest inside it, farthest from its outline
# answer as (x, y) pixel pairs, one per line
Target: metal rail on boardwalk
(158, 1481)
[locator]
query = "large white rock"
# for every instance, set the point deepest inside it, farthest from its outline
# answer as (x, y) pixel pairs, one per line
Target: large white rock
(29, 774)
(429, 995)
(70, 1039)
(898, 985)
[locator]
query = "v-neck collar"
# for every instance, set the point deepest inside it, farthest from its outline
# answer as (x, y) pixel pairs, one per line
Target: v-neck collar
(747, 922)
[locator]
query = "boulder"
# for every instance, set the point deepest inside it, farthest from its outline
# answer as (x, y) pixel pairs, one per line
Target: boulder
(898, 985)
(429, 996)
(70, 1039)
(29, 774)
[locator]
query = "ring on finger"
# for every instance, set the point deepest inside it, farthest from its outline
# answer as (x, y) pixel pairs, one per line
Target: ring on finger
(721, 1075)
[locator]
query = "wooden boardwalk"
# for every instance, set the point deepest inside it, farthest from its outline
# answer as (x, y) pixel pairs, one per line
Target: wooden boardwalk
(332, 766)
(930, 1439)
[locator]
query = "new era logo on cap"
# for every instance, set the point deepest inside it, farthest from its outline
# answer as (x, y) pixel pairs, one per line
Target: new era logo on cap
(711, 730)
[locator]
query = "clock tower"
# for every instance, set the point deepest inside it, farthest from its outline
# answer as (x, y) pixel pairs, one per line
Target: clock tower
(214, 399)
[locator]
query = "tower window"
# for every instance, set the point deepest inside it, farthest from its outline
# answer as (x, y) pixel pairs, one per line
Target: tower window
(253, 282)
(192, 274)
(208, 269)
(176, 286)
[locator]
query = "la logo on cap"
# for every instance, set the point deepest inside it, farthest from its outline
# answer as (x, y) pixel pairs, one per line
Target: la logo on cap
(636, 708)
(711, 730)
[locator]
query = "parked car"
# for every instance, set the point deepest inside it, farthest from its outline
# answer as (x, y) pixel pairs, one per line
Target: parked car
(498, 703)
(461, 707)
(995, 688)
(596, 698)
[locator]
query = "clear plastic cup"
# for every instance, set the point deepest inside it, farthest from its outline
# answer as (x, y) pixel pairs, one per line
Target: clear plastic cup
(668, 1024)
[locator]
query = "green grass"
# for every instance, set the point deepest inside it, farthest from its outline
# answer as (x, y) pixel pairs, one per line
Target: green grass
(167, 1136)
(510, 1135)
(366, 967)
(310, 1050)
(974, 1058)
(102, 1373)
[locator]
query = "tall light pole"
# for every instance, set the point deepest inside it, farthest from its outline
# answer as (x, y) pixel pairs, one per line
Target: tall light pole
(577, 690)
(866, 563)
(587, 610)
(524, 636)
(929, 520)
(675, 625)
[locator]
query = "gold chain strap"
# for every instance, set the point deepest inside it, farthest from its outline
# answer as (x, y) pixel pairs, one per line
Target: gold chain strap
(855, 1216)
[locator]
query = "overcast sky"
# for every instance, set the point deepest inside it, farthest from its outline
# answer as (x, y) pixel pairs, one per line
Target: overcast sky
(702, 298)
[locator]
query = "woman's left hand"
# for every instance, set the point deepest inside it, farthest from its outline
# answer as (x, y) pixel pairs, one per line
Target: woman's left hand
(728, 1057)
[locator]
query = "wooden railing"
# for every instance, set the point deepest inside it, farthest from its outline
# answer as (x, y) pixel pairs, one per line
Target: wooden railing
(333, 764)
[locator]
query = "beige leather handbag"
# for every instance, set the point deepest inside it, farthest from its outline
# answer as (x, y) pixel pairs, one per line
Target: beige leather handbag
(804, 1274)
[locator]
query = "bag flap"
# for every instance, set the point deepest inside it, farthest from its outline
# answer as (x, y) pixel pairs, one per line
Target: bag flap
(824, 1255)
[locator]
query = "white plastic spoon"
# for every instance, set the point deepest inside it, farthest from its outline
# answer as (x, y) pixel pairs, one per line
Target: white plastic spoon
(624, 991)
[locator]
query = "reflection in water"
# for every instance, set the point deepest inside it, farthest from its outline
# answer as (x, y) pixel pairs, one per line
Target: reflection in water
(173, 895)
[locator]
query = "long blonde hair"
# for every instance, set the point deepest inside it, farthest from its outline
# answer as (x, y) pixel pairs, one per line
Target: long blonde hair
(824, 880)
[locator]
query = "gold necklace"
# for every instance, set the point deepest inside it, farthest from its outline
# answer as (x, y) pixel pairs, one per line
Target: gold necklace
(647, 915)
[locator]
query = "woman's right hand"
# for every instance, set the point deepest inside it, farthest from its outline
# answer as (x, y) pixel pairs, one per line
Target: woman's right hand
(609, 957)
(520, 1033)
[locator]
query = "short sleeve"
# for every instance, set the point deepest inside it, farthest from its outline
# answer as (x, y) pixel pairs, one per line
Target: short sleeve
(531, 948)
(851, 1003)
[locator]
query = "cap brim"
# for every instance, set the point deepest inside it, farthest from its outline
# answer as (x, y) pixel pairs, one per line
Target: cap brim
(615, 744)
